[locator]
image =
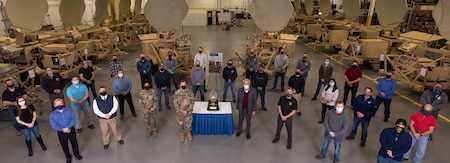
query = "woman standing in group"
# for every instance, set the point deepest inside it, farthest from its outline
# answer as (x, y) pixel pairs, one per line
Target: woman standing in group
(329, 97)
(26, 117)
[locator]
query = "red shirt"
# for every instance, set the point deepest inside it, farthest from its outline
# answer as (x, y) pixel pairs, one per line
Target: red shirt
(245, 102)
(423, 123)
(353, 75)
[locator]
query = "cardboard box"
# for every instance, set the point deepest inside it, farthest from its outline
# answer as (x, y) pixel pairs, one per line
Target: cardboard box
(372, 48)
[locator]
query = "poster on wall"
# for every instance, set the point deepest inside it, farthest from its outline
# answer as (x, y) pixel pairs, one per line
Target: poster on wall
(215, 62)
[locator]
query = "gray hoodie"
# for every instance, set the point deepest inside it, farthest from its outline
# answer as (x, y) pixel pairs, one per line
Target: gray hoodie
(197, 76)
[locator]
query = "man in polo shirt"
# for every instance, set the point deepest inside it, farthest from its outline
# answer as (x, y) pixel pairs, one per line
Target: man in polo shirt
(9, 97)
(78, 94)
(352, 77)
(287, 106)
(246, 106)
(422, 125)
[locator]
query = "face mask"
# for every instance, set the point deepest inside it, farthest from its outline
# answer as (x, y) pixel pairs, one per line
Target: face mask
(120, 75)
(339, 110)
(60, 107)
(437, 89)
(327, 63)
(388, 76)
(246, 87)
(398, 129)
(281, 52)
(200, 51)
(354, 67)
(21, 103)
(367, 94)
(198, 66)
(143, 58)
(426, 113)
(331, 84)
(289, 95)
(75, 82)
(103, 93)
(85, 65)
(147, 87)
(297, 73)
(230, 64)
(11, 86)
(170, 57)
(161, 69)
(115, 60)
(183, 87)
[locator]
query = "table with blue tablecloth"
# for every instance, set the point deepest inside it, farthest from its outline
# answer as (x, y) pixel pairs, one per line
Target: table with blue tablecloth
(207, 122)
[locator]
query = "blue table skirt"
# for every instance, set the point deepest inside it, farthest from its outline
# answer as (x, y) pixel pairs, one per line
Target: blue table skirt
(213, 124)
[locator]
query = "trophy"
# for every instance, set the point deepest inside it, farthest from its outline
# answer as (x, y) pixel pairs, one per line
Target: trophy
(213, 103)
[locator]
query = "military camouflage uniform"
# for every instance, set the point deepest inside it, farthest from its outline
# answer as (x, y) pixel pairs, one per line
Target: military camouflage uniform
(148, 100)
(184, 100)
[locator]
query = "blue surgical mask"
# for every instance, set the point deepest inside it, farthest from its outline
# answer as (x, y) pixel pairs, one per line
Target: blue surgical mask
(327, 63)
(75, 82)
(288, 95)
(331, 84)
(60, 107)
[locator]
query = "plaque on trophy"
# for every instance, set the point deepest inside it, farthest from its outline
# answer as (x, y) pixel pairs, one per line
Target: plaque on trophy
(213, 102)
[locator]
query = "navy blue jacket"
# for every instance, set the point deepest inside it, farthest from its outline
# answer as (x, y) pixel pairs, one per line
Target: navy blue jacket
(397, 143)
(162, 79)
(367, 107)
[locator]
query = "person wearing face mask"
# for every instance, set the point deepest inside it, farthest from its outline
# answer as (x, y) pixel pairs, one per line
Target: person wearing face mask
(26, 117)
(63, 120)
(183, 101)
(251, 63)
(352, 77)
(296, 82)
(336, 124)
(395, 142)
(171, 64)
(144, 68)
(229, 74)
(437, 98)
(162, 81)
(9, 98)
(325, 73)
(364, 108)
(122, 86)
(246, 106)
(201, 58)
(78, 95)
(198, 80)
(87, 75)
(329, 97)
(386, 88)
(105, 107)
(147, 99)
(259, 82)
(422, 124)
(53, 85)
(281, 62)
(287, 106)
(305, 65)
(115, 66)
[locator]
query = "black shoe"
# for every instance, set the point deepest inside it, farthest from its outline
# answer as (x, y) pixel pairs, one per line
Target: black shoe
(121, 117)
(264, 108)
(234, 101)
(248, 136)
(79, 130)
(159, 108)
(206, 90)
(224, 101)
(314, 98)
(349, 138)
(405, 159)
(69, 160)
(238, 134)
(121, 142)
(319, 157)
(168, 107)
(91, 126)
(79, 157)
(282, 89)
(275, 140)
(363, 144)
(303, 94)
(273, 88)
(299, 114)
(106, 146)
(134, 114)
(321, 121)
(30, 152)
(385, 119)
(289, 146)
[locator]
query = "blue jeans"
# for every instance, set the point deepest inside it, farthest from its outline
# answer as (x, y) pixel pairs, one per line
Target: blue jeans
(279, 74)
(381, 159)
(202, 91)
(225, 90)
(11, 110)
(302, 90)
(364, 126)
(92, 87)
(27, 132)
(87, 115)
(337, 146)
(174, 78)
(421, 147)
(347, 88)
(261, 93)
(319, 86)
(166, 96)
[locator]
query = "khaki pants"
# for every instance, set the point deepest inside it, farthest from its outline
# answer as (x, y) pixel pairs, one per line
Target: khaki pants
(298, 97)
(105, 124)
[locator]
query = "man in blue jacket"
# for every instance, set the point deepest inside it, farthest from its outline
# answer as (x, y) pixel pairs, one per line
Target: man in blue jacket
(144, 67)
(162, 81)
(395, 142)
(364, 108)
(386, 88)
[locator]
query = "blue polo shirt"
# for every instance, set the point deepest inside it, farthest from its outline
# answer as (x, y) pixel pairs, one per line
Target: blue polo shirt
(77, 93)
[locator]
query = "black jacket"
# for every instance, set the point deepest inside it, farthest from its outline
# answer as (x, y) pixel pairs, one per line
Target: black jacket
(229, 73)
(50, 85)
(260, 80)
(162, 79)
(296, 83)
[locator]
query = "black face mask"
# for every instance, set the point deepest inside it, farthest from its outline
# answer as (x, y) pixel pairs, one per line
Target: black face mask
(426, 113)
(200, 51)
(437, 89)
(388, 76)
(297, 73)
(11, 86)
(170, 57)
(183, 87)
(230, 64)
(143, 58)
(115, 60)
(282, 52)
(147, 87)
(103, 93)
(161, 69)
(354, 67)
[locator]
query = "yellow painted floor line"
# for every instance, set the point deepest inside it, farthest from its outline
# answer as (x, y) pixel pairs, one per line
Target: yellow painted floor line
(371, 79)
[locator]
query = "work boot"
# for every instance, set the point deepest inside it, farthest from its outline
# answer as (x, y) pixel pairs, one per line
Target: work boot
(189, 135)
(30, 149)
(41, 142)
(182, 137)
(149, 133)
(314, 98)
(155, 133)
(264, 108)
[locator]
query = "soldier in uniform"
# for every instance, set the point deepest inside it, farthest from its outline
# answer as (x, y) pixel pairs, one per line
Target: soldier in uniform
(148, 101)
(183, 100)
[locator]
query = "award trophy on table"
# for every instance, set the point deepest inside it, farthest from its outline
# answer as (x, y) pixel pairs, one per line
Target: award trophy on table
(213, 103)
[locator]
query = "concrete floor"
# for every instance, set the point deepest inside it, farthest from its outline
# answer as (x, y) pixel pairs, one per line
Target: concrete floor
(307, 133)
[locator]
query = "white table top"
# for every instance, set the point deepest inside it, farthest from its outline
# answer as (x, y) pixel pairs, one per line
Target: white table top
(202, 108)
